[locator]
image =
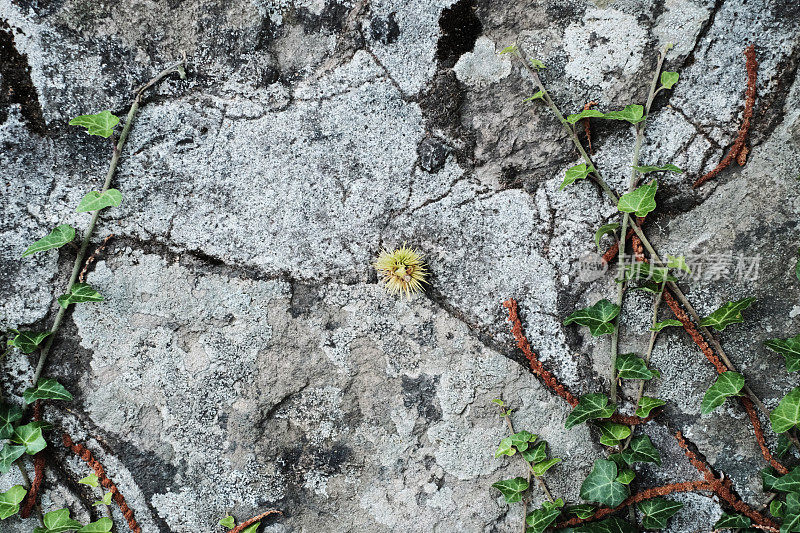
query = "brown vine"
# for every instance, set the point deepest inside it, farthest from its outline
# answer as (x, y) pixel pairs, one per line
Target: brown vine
(739, 150)
(38, 468)
(250, 522)
(586, 127)
(84, 453)
(93, 257)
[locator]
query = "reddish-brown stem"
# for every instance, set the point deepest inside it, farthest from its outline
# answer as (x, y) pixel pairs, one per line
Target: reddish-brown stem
(38, 466)
(241, 527)
(84, 453)
(739, 149)
(587, 128)
(93, 257)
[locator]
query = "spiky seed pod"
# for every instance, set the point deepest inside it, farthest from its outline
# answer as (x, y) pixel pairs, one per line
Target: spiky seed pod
(401, 271)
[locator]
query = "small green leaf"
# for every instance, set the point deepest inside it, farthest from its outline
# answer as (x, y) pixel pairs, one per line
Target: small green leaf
(540, 519)
(30, 436)
(538, 65)
(95, 200)
(8, 455)
(540, 468)
(512, 489)
(101, 124)
(578, 172)
(80, 293)
(730, 313)
(28, 341)
(537, 453)
(522, 439)
(593, 405)
(646, 271)
(103, 525)
(57, 238)
(252, 529)
(106, 500)
(607, 228)
(647, 404)
(650, 168)
(612, 433)
(640, 200)
(641, 450)
(769, 477)
(631, 113)
(505, 448)
(787, 414)
(557, 504)
(90, 480)
(631, 366)
(586, 113)
(788, 483)
(727, 384)
(59, 521)
(732, 521)
(791, 520)
(536, 96)
(510, 49)
(668, 79)
(10, 500)
(601, 485)
(229, 522)
(678, 262)
(597, 317)
(47, 389)
(777, 508)
(583, 510)
(609, 525)
(658, 326)
(499, 402)
(626, 476)
(8, 415)
(657, 511)
(789, 349)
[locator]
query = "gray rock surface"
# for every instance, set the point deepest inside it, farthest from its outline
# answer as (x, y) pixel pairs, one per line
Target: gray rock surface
(247, 359)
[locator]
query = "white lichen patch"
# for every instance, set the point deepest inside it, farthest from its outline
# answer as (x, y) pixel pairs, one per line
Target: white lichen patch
(482, 67)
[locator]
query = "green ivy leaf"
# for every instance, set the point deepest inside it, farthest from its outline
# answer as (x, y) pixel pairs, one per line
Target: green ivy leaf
(578, 172)
(626, 476)
(668, 79)
(641, 450)
(791, 520)
(522, 439)
(593, 405)
(787, 414)
(57, 238)
(586, 113)
(10, 500)
(103, 525)
(106, 499)
(657, 511)
(727, 384)
(80, 293)
(678, 262)
(631, 366)
(788, 483)
(92, 480)
(607, 228)
(535, 63)
(540, 468)
(557, 504)
(777, 508)
(597, 317)
(30, 436)
(59, 521)
(28, 341)
(8, 415)
(8, 455)
(641, 200)
(658, 326)
(650, 168)
(649, 272)
(732, 521)
(101, 124)
(505, 448)
(631, 113)
(769, 476)
(536, 96)
(789, 349)
(94, 201)
(730, 313)
(252, 529)
(512, 489)
(601, 485)
(46, 389)
(228, 522)
(540, 519)
(583, 510)
(609, 525)
(510, 49)
(537, 453)
(612, 433)
(647, 404)
(784, 445)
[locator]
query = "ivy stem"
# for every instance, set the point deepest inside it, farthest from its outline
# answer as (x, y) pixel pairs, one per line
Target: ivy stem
(112, 168)
(540, 479)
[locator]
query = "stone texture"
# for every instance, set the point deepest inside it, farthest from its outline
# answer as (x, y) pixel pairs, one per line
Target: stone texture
(246, 357)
